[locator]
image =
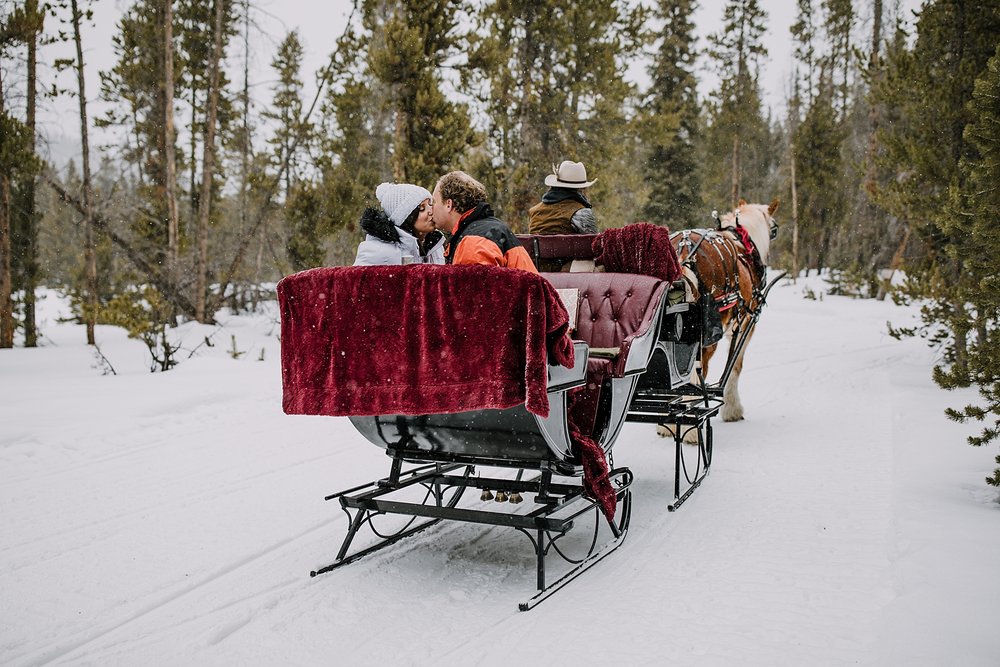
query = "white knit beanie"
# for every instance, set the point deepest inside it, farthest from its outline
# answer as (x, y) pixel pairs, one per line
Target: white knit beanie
(399, 199)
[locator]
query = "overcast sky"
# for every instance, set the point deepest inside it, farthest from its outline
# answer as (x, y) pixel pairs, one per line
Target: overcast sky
(320, 23)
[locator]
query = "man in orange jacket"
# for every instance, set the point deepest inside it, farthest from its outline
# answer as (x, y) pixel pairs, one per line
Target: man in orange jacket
(477, 236)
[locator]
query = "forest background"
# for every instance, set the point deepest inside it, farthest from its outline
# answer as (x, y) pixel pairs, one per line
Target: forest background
(884, 150)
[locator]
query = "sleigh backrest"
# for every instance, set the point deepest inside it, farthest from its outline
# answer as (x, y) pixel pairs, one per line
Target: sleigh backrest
(614, 308)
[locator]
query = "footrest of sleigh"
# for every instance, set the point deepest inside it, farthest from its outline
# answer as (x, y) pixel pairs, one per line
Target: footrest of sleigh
(557, 506)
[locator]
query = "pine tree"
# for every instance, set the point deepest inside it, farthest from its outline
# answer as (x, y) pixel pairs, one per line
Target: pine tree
(737, 126)
(803, 86)
(195, 21)
(976, 209)
(673, 123)
(18, 162)
(804, 34)
(930, 86)
(134, 92)
(388, 118)
(554, 89)
(25, 220)
(285, 111)
(208, 164)
(839, 23)
(817, 141)
(411, 43)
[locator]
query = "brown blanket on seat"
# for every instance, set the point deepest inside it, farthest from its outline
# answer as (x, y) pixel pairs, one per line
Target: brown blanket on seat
(641, 248)
(418, 339)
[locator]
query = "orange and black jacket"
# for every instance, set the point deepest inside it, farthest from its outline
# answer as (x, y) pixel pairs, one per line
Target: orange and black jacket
(482, 238)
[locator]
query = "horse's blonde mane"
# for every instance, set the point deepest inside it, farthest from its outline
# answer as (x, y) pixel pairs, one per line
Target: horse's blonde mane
(757, 220)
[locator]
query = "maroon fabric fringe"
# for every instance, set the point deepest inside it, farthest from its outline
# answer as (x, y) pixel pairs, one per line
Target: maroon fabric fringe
(418, 339)
(642, 248)
(596, 474)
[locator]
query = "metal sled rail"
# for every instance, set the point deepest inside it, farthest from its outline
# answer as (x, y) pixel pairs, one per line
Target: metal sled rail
(558, 507)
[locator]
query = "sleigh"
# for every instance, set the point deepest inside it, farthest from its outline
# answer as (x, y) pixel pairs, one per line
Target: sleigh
(556, 455)
(670, 392)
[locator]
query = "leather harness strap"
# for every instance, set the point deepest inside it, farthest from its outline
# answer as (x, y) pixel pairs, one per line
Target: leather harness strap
(727, 249)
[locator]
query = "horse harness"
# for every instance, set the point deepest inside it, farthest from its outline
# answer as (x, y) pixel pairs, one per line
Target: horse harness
(731, 248)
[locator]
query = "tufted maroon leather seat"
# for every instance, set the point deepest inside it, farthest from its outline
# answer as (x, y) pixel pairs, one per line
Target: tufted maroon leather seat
(614, 309)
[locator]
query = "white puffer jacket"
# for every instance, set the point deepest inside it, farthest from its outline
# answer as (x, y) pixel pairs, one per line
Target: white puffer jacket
(388, 244)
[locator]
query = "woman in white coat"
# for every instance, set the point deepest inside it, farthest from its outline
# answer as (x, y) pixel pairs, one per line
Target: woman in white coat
(402, 228)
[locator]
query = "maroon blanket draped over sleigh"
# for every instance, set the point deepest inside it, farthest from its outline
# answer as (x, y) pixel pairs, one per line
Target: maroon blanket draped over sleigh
(642, 248)
(418, 339)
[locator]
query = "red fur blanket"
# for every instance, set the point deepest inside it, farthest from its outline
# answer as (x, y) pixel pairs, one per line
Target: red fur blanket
(641, 248)
(418, 339)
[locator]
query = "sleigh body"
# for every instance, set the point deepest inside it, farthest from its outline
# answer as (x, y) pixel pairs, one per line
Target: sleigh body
(533, 455)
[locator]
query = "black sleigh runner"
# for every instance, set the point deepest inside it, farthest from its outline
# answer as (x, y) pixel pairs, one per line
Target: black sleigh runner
(466, 378)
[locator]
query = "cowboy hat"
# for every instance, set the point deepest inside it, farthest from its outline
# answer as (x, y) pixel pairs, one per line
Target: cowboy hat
(569, 175)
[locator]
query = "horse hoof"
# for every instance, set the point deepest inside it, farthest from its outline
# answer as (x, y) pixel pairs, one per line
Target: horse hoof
(487, 495)
(664, 431)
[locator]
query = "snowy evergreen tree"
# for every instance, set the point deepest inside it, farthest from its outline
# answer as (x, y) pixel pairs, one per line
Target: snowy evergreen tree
(738, 133)
(673, 123)
(976, 210)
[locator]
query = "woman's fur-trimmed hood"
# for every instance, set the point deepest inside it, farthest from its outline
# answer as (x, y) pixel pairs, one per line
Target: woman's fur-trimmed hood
(378, 224)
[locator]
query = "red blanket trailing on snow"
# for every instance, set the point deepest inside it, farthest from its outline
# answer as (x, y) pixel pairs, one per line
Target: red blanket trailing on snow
(418, 339)
(641, 248)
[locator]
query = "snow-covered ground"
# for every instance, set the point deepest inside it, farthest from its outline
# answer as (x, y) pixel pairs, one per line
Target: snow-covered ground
(173, 519)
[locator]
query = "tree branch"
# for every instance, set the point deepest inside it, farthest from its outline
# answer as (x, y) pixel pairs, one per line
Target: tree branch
(156, 278)
(272, 188)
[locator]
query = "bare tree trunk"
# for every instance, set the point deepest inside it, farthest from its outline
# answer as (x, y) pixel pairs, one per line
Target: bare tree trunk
(170, 155)
(399, 154)
(795, 221)
(734, 194)
(208, 167)
(876, 31)
(6, 282)
(960, 330)
(31, 228)
(530, 138)
(193, 176)
(6, 306)
(89, 243)
(897, 261)
(245, 151)
(871, 176)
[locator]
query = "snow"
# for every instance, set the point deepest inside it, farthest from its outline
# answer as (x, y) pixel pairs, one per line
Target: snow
(173, 519)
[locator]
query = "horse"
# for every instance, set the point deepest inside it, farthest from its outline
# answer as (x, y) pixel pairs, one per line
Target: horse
(728, 265)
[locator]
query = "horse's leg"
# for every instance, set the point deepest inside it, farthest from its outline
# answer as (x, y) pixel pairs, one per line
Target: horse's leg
(706, 356)
(732, 408)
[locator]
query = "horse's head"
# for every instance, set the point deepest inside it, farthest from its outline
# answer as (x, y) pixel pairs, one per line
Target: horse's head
(759, 222)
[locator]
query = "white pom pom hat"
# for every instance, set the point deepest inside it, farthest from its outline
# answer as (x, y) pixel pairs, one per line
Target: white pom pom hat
(400, 199)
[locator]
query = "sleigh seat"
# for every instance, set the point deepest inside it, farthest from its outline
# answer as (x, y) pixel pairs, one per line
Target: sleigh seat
(619, 317)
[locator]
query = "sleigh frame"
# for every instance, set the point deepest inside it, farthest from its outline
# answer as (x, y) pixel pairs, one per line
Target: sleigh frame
(642, 369)
(438, 461)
